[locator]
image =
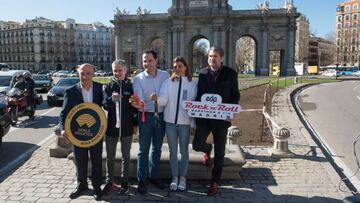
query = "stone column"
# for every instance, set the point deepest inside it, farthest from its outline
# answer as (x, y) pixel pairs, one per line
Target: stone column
(231, 50)
(182, 41)
(290, 50)
(169, 53)
(222, 41)
(118, 44)
(138, 48)
(215, 41)
(175, 42)
(263, 53)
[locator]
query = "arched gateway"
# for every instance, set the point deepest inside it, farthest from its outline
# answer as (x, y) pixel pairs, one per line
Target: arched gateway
(272, 30)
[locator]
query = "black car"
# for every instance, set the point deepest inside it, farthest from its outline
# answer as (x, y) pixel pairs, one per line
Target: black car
(4, 118)
(55, 95)
(42, 82)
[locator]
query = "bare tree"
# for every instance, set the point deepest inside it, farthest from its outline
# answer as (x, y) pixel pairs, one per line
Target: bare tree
(158, 45)
(245, 54)
(200, 50)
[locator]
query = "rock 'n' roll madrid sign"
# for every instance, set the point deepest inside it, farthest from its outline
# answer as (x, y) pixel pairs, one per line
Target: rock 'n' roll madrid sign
(211, 107)
(85, 125)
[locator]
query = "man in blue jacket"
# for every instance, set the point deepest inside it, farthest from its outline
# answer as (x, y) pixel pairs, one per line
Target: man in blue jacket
(85, 91)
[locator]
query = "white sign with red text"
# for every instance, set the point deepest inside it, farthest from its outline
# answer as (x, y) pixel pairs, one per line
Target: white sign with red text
(211, 107)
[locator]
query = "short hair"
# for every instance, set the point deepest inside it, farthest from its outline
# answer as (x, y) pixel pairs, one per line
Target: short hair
(151, 51)
(85, 64)
(218, 50)
(120, 62)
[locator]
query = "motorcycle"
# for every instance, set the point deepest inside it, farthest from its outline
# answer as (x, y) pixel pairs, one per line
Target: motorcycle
(18, 105)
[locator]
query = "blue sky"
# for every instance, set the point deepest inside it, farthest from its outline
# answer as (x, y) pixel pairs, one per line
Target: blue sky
(320, 12)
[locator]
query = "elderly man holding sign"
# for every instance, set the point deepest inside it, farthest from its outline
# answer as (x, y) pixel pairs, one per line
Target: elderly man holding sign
(83, 123)
(217, 83)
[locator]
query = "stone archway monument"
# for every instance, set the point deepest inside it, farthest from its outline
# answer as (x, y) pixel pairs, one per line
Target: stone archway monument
(215, 20)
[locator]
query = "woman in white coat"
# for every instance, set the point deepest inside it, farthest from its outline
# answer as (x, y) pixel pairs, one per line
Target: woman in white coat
(178, 88)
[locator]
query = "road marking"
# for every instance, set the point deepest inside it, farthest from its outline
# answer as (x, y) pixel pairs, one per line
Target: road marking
(25, 155)
(354, 89)
(358, 97)
(37, 118)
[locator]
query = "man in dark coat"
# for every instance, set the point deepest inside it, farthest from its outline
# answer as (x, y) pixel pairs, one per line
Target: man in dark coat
(121, 115)
(221, 80)
(85, 91)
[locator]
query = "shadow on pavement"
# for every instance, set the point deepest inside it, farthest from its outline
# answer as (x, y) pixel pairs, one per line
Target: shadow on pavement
(13, 155)
(46, 122)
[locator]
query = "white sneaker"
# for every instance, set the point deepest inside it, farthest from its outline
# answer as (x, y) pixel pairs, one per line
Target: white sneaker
(182, 184)
(174, 184)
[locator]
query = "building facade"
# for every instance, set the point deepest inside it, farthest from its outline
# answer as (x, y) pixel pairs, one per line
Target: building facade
(302, 40)
(321, 52)
(190, 20)
(43, 44)
(347, 33)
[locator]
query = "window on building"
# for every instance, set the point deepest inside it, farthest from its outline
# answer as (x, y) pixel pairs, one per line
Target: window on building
(355, 7)
(347, 17)
(339, 18)
(355, 16)
(347, 8)
(347, 25)
(338, 26)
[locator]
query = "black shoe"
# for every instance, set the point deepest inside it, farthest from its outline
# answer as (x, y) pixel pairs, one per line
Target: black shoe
(124, 188)
(108, 187)
(142, 188)
(79, 188)
(97, 194)
(157, 183)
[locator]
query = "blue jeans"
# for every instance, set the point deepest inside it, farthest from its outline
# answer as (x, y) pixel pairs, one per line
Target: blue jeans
(178, 134)
(150, 135)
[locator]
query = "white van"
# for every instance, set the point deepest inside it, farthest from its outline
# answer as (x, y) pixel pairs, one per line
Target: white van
(8, 79)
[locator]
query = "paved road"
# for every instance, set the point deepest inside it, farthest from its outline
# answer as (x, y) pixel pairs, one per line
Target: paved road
(334, 111)
(27, 136)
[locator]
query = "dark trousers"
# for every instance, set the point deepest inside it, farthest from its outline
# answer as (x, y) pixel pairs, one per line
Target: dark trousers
(81, 157)
(219, 136)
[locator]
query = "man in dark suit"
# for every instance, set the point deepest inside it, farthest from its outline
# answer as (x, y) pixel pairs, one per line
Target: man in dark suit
(221, 80)
(84, 91)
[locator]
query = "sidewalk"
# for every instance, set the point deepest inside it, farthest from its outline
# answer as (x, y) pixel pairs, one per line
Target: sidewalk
(307, 177)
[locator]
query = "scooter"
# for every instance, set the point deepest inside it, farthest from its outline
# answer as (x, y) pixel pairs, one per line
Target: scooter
(18, 105)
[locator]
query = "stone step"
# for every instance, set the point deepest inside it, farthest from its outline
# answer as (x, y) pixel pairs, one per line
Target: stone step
(234, 160)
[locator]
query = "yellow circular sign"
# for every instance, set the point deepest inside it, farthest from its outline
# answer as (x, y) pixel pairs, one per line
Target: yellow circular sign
(85, 125)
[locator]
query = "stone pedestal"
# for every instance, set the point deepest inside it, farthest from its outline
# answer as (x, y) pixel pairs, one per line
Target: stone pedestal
(61, 148)
(280, 148)
(233, 162)
(233, 135)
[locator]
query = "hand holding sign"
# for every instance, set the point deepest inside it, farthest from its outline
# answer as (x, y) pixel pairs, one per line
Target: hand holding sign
(211, 107)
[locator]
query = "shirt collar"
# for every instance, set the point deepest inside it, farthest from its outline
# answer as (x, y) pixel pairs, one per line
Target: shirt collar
(81, 86)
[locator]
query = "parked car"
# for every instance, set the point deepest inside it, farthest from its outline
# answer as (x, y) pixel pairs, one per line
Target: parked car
(100, 73)
(55, 95)
(42, 82)
(357, 73)
(329, 73)
(8, 79)
(4, 117)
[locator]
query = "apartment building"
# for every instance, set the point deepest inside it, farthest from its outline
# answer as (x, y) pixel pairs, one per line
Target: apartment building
(44, 44)
(347, 33)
